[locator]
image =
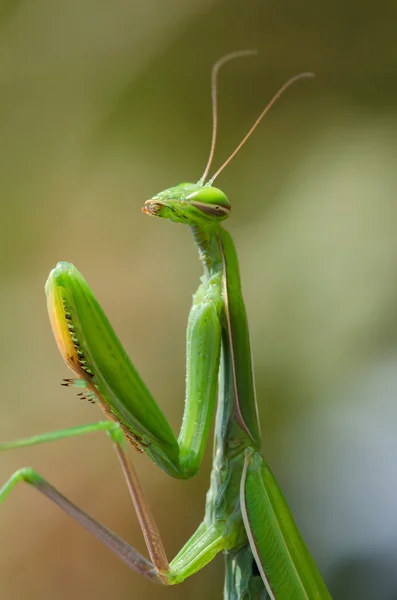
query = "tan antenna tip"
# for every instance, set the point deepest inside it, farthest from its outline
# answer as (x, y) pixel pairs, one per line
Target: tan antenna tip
(286, 85)
(214, 93)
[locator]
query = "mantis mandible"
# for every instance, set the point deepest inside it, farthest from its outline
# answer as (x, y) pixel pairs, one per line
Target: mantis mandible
(246, 515)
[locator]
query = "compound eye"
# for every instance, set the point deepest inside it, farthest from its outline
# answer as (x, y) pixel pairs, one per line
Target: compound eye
(211, 201)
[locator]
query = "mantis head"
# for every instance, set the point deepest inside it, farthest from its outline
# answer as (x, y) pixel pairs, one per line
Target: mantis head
(200, 203)
(190, 203)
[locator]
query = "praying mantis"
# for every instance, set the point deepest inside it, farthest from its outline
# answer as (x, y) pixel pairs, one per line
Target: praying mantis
(246, 516)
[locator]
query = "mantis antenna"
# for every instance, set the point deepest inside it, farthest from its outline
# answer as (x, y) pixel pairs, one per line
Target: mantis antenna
(214, 95)
(286, 85)
(214, 81)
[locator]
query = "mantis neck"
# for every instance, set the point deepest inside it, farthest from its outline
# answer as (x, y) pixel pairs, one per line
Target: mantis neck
(208, 241)
(237, 423)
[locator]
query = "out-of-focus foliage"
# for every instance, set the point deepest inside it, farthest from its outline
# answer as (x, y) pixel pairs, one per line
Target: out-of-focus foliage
(102, 104)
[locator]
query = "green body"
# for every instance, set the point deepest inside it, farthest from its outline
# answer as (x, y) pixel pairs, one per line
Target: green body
(246, 515)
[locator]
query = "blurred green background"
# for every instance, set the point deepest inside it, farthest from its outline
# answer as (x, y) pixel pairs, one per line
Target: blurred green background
(103, 104)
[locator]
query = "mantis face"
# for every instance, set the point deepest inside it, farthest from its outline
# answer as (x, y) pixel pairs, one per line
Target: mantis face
(190, 203)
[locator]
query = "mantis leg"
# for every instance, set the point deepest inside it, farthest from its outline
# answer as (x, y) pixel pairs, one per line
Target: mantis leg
(194, 556)
(199, 550)
(126, 553)
(145, 517)
(283, 560)
(92, 350)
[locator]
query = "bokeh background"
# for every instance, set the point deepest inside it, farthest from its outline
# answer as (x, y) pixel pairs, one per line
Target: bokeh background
(102, 104)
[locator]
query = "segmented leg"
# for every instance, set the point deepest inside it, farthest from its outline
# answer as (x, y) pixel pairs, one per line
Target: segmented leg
(198, 551)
